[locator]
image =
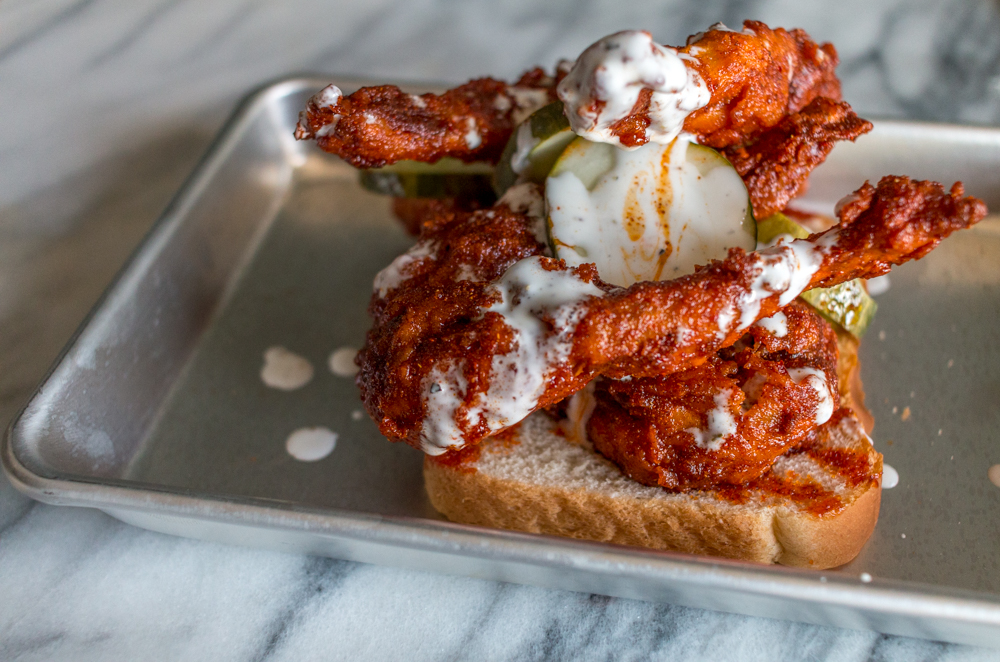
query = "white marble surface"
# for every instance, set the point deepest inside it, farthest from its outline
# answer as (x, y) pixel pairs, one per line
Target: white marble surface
(106, 106)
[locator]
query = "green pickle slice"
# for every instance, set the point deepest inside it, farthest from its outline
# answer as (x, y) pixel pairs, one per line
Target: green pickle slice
(652, 213)
(848, 305)
(541, 139)
(445, 178)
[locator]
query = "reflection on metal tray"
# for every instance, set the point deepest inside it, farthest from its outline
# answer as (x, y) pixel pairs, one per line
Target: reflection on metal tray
(157, 414)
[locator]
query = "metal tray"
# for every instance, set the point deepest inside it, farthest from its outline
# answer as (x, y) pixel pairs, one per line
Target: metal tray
(156, 414)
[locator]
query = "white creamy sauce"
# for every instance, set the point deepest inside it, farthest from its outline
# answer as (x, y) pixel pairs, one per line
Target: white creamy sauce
(777, 324)
(526, 141)
(311, 444)
(418, 101)
(721, 424)
(370, 119)
(890, 477)
(527, 294)
(467, 272)
(816, 379)
(328, 97)
(865, 577)
(502, 103)
(878, 285)
(444, 393)
(578, 412)
(994, 474)
(785, 270)
(285, 370)
(472, 137)
(656, 213)
(604, 85)
(341, 362)
(397, 272)
(526, 101)
(527, 199)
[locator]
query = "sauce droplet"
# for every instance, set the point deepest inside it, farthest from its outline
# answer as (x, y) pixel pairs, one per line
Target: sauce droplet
(357, 415)
(878, 285)
(285, 370)
(311, 444)
(994, 474)
(865, 577)
(341, 362)
(890, 477)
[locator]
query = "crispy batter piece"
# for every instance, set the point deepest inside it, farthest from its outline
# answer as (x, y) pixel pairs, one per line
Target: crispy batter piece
(757, 77)
(776, 165)
(376, 126)
(429, 306)
(659, 429)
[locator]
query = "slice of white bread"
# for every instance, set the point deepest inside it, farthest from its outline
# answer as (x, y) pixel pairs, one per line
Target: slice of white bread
(538, 481)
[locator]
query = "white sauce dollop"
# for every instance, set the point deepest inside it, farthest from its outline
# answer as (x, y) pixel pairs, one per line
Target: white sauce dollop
(341, 362)
(399, 270)
(285, 370)
(472, 137)
(994, 474)
(526, 101)
(527, 198)
(816, 379)
(526, 141)
(890, 477)
(604, 85)
(311, 444)
(721, 424)
(528, 293)
(784, 269)
(776, 324)
(328, 97)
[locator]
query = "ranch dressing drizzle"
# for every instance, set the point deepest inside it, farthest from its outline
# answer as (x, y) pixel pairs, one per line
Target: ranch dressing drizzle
(721, 424)
(777, 324)
(526, 141)
(816, 379)
(604, 85)
(784, 269)
(527, 294)
(398, 271)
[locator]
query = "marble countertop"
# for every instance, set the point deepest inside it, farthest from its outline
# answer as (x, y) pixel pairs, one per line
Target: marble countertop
(107, 106)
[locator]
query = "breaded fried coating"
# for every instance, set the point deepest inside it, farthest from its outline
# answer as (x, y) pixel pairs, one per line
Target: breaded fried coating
(377, 126)
(430, 307)
(658, 429)
(776, 165)
(757, 77)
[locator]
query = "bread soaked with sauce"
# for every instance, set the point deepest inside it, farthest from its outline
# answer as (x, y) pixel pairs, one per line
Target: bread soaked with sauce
(815, 508)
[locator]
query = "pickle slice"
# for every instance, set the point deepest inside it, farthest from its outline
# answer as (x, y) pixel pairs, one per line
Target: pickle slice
(533, 147)
(651, 213)
(776, 225)
(428, 185)
(444, 166)
(848, 305)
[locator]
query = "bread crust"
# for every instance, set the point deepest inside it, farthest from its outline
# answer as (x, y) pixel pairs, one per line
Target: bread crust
(765, 529)
(534, 485)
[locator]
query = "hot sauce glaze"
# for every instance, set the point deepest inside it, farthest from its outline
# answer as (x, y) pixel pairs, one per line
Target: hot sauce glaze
(801, 490)
(464, 459)
(852, 465)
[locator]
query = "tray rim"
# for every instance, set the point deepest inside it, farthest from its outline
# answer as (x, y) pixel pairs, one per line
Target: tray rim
(886, 596)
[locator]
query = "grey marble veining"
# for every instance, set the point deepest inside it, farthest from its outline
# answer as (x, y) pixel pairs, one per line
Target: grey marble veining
(107, 106)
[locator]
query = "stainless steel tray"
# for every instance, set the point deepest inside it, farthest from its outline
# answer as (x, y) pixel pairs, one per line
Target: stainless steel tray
(156, 413)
